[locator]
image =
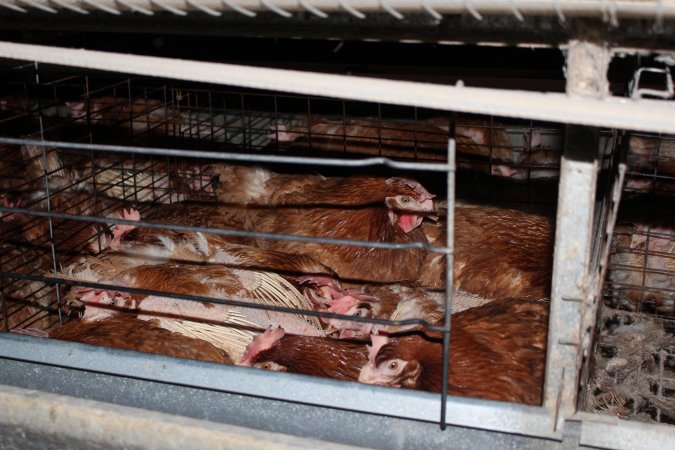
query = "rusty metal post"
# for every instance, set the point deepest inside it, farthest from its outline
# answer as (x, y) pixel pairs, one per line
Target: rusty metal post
(586, 70)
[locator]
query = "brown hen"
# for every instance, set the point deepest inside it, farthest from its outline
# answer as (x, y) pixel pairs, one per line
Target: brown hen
(497, 352)
(392, 212)
(498, 253)
(316, 356)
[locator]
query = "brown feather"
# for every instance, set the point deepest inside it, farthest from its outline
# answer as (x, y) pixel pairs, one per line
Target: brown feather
(498, 253)
(316, 356)
(349, 262)
(367, 223)
(124, 331)
(234, 255)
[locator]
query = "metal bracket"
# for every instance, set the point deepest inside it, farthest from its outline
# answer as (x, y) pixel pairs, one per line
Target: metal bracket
(636, 92)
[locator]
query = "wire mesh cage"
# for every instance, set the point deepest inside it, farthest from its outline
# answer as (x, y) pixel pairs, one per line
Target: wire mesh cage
(631, 373)
(97, 169)
(119, 150)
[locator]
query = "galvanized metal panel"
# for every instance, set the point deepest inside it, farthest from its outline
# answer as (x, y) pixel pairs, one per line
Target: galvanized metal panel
(35, 419)
(612, 432)
(424, 406)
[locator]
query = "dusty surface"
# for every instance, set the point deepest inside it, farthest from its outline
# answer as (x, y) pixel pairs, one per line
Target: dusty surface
(634, 375)
(34, 419)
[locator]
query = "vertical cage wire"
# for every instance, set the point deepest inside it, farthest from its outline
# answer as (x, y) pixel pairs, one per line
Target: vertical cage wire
(450, 252)
(52, 241)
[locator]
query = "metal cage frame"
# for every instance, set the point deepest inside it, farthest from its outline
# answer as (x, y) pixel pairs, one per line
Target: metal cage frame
(573, 304)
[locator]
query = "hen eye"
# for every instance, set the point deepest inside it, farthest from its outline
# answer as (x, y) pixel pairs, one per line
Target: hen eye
(393, 365)
(405, 199)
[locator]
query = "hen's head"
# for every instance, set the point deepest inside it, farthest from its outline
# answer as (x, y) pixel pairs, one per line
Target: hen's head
(352, 303)
(270, 365)
(320, 288)
(410, 205)
(327, 294)
(9, 216)
(387, 367)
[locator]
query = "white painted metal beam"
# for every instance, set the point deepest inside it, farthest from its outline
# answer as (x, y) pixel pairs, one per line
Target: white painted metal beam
(611, 112)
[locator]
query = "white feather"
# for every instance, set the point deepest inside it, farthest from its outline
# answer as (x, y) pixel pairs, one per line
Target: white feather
(202, 244)
(257, 182)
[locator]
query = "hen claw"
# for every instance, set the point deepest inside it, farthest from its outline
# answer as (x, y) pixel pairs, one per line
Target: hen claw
(119, 230)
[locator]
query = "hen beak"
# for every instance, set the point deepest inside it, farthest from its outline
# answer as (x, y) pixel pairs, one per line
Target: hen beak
(428, 205)
(426, 209)
(330, 330)
(369, 375)
(432, 207)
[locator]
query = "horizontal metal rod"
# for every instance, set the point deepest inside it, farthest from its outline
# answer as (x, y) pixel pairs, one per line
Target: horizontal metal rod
(643, 9)
(223, 232)
(219, 301)
(611, 112)
(247, 157)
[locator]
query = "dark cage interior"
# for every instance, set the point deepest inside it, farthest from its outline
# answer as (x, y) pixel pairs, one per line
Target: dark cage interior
(200, 222)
